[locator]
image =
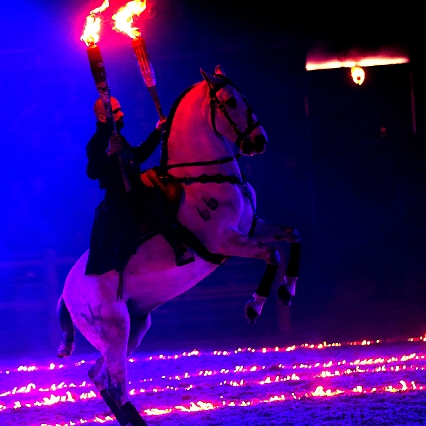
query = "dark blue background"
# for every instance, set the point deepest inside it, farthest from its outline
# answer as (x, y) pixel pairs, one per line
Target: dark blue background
(357, 199)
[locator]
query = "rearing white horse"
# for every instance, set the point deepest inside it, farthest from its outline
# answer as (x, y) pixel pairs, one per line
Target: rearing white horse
(209, 126)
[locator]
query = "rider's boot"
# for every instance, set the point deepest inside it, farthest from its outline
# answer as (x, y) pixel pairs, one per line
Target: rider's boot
(155, 205)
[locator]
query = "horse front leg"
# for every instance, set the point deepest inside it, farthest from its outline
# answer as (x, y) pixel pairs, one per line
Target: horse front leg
(265, 232)
(269, 232)
(234, 243)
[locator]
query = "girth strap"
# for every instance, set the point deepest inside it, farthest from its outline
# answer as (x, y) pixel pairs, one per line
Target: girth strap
(217, 178)
(203, 163)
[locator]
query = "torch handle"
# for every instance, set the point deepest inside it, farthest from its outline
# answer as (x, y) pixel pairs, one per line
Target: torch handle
(121, 161)
(123, 171)
(156, 98)
(147, 71)
(97, 68)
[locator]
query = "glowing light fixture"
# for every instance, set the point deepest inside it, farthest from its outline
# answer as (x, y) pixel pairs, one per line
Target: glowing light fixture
(356, 62)
(358, 75)
(318, 63)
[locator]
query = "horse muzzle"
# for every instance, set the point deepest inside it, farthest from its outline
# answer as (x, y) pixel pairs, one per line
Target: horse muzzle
(250, 146)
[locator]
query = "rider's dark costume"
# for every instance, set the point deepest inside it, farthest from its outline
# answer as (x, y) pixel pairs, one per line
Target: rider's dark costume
(117, 223)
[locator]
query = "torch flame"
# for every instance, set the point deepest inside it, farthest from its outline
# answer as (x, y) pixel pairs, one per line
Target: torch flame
(124, 17)
(93, 25)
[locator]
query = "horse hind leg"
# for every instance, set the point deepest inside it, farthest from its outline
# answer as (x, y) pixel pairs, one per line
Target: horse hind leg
(66, 345)
(138, 328)
(101, 377)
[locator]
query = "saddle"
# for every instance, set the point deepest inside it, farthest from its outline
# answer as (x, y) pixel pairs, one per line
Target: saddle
(173, 192)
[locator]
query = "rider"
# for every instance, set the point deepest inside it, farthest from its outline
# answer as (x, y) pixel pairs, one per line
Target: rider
(115, 233)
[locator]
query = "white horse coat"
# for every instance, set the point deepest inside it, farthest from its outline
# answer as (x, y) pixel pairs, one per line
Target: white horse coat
(211, 126)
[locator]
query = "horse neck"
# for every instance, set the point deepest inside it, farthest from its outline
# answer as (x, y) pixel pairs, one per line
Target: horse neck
(192, 138)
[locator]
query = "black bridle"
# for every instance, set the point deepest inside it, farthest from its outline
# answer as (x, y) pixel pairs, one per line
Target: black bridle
(215, 101)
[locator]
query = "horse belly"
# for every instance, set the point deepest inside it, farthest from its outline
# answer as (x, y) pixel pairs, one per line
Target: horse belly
(152, 278)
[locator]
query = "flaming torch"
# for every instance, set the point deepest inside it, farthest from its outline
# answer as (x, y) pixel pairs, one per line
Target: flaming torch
(91, 36)
(123, 22)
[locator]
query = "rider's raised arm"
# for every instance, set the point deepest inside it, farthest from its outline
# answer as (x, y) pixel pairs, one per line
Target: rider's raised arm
(143, 151)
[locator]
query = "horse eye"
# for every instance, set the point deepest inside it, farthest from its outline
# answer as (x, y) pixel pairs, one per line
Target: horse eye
(231, 102)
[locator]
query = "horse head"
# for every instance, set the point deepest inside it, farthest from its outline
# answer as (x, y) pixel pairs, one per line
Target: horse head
(231, 116)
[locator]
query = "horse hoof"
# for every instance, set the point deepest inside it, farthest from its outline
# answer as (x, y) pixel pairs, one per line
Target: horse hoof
(65, 349)
(251, 313)
(67, 344)
(284, 295)
(133, 416)
(120, 417)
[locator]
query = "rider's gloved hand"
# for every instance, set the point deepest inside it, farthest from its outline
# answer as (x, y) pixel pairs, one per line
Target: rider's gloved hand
(161, 124)
(115, 144)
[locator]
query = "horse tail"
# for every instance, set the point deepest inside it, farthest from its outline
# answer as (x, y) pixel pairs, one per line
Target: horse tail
(68, 329)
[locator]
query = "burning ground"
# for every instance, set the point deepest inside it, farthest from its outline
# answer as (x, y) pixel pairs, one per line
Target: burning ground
(355, 383)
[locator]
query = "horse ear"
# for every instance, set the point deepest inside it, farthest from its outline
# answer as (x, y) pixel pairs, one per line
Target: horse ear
(213, 81)
(219, 70)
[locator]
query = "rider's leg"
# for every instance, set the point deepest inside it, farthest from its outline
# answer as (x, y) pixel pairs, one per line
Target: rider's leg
(154, 202)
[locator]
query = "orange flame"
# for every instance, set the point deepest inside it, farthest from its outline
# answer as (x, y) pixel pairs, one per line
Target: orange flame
(124, 17)
(93, 25)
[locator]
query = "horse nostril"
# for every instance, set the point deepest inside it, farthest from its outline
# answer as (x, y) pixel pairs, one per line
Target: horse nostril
(260, 144)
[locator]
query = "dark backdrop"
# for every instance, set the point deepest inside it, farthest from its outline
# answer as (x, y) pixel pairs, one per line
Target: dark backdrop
(355, 194)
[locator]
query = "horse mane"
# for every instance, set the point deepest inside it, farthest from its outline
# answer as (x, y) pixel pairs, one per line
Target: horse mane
(166, 133)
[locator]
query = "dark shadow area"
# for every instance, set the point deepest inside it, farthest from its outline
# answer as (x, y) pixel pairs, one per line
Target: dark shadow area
(343, 166)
